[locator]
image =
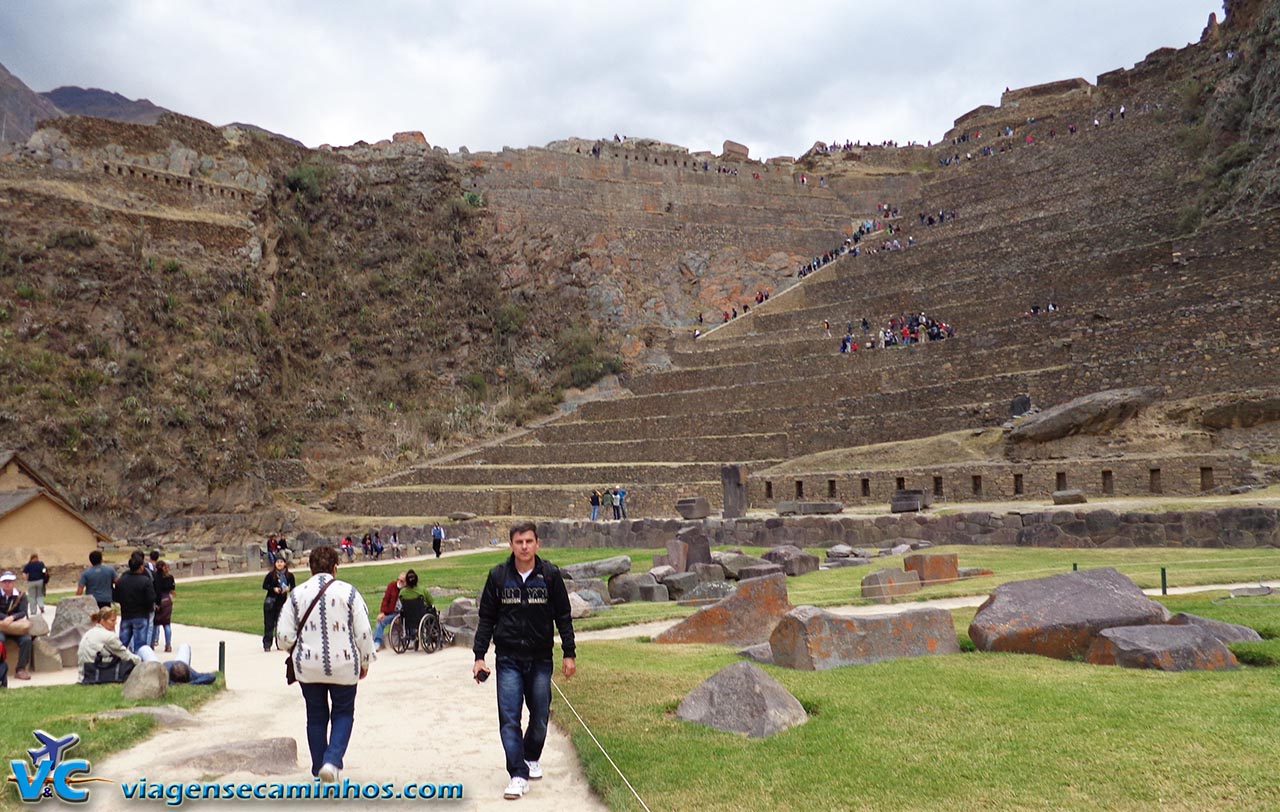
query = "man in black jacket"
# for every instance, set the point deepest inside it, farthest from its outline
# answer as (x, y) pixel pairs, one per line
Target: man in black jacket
(522, 599)
(136, 594)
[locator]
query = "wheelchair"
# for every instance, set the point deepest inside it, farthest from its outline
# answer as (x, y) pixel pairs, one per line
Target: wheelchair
(418, 627)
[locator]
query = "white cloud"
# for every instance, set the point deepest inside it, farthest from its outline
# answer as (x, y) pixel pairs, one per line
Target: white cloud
(774, 76)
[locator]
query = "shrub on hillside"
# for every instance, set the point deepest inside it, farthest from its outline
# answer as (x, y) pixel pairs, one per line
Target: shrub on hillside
(73, 239)
(307, 180)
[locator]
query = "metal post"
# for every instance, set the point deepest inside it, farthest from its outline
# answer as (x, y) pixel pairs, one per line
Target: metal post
(1164, 581)
(1075, 567)
(222, 656)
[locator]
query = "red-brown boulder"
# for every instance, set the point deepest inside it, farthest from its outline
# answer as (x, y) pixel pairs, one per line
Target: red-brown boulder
(745, 617)
(933, 568)
(1165, 648)
(811, 639)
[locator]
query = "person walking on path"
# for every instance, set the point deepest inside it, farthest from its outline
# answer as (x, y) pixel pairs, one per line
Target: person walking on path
(388, 610)
(98, 580)
(37, 578)
(523, 599)
(437, 538)
(325, 626)
(277, 583)
(136, 594)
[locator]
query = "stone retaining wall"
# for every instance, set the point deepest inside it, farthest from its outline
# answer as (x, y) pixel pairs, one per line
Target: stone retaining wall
(1245, 527)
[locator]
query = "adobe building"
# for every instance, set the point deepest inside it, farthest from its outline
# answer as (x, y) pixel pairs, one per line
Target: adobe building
(36, 518)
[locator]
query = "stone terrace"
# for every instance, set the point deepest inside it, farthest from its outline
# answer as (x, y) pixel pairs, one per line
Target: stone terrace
(1088, 221)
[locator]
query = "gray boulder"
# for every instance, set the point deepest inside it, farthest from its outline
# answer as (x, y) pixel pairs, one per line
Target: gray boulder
(461, 612)
(837, 563)
(760, 570)
(73, 613)
(166, 716)
(596, 585)
(839, 551)
(661, 573)
(146, 681)
(654, 593)
(708, 572)
(578, 606)
(792, 559)
(679, 584)
(1097, 413)
(1226, 632)
(627, 587)
(734, 562)
(603, 568)
(594, 598)
(1061, 615)
(693, 507)
(811, 639)
(1069, 497)
(1165, 648)
(678, 555)
(740, 698)
(882, 586)
(760, 653)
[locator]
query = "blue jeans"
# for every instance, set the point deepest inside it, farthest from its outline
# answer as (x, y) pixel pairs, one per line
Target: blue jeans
(382, 626)
(523, 682)
(135, 633)
(595, 512)
(328, 742)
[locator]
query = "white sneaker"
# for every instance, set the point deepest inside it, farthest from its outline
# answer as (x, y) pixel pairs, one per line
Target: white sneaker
(535, 770)
(516, 789)
(329, 774)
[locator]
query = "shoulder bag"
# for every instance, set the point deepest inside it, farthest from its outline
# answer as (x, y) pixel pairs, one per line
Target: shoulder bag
(290, 677)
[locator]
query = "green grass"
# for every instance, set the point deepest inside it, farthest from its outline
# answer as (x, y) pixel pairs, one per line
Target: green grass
(63, 709)
(961, 732)
(235, 604)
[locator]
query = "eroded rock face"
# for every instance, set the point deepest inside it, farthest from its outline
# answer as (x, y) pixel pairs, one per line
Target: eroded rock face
(1061, 615)
(1166, 648)
(811, 639)
(744, 618)
(1097, 413)
(882, 586)
(741, 698)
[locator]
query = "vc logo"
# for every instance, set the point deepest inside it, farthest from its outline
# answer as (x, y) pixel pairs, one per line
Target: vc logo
(50, 774)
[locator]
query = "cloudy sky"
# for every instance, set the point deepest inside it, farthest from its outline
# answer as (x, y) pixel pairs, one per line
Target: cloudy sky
(488, 73)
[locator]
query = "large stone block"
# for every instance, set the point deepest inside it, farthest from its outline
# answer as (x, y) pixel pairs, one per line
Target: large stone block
(792, 559)
(708, 572)
(741, 698)
(45, 656)
(602, 568)
(693, 507)
(1165, 648)
(760, 570)
(1095, 413)
(655, 593)
(680, 583)
(882, 586)
(743, 618)
(73, 613)
(734, 562)
(1069, 497)
(146, 681)
(933, 568)
(578, 606)
(1061, 615)
(627, 587)
(811, 639)
(1226, 632)
(678, 555)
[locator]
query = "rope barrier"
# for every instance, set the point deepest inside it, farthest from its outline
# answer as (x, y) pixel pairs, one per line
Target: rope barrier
(612, 763)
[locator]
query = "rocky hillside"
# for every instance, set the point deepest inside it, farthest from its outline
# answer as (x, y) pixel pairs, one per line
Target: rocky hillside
(20, 108)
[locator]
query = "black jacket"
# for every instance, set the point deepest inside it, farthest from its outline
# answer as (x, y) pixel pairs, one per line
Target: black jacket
(270, 581)
(518, 615)
(136, 594)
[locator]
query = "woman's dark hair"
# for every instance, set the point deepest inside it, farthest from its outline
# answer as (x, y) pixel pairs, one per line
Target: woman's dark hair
(180, 672)
(323, 559)
(411, 578)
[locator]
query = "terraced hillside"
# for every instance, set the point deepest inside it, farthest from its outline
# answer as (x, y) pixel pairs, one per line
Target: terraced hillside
(1093, 221)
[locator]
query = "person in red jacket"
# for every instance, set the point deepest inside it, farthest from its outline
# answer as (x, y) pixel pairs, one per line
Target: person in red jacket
(388, 610)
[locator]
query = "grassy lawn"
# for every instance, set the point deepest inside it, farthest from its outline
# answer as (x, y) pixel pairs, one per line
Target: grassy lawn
(63, 709)
(235, 604)
(962, 732)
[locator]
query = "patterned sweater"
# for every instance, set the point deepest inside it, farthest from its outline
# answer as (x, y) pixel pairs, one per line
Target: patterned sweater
(336, 642)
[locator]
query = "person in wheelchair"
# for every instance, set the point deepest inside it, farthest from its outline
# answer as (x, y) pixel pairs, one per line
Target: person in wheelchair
(415, 603)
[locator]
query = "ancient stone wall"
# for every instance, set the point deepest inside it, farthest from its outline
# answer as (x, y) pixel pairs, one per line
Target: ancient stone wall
(1246, 527)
